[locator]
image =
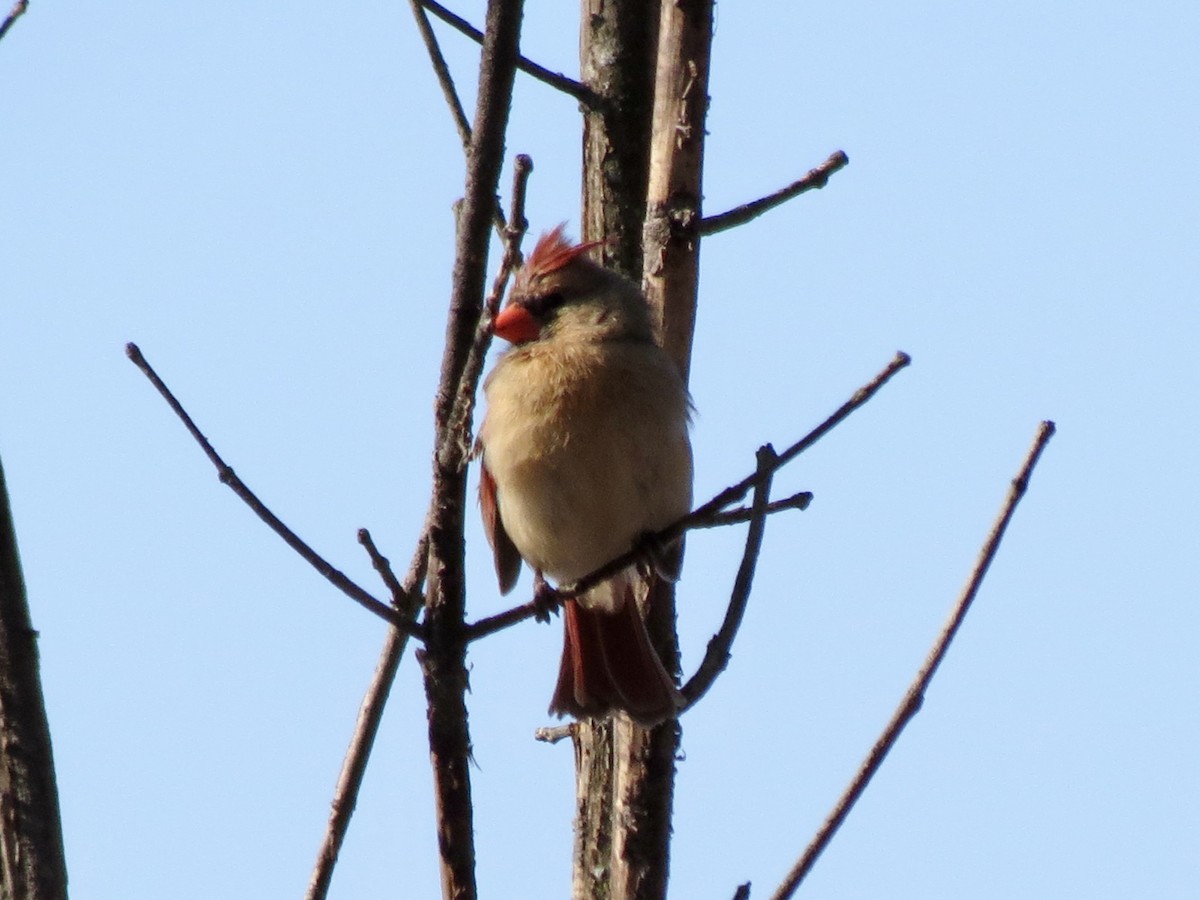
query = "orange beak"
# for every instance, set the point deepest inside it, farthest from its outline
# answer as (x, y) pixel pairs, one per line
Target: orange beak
(516, 324)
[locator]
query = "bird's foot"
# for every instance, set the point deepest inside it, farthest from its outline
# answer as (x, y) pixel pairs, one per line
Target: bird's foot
(546, 600)
(658, 556)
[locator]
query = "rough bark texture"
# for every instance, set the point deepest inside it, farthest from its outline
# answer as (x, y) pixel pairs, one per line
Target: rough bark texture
(625, 785)
(618, 44)
(444, 660)
(672, 240)
(32, 864)
(645, 760)
(617, 52)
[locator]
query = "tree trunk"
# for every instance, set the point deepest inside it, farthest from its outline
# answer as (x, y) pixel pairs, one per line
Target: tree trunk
(625, 774)
(32, 863)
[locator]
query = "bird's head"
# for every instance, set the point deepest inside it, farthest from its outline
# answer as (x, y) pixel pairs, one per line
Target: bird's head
(561, 293)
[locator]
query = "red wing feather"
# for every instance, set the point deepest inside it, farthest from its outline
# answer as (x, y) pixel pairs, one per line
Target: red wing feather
(504, 551)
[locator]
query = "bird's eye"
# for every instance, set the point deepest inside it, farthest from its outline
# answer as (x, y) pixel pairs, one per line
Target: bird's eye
(542, 306)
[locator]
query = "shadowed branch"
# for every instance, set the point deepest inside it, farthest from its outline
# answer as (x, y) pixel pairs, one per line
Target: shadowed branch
(739, 215)
(406, 597)
(335, 577)
(15, 13)
(717, 656)
(556, 80)
(915, 695)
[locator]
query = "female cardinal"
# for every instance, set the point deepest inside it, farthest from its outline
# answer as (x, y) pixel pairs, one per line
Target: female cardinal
(585, 452)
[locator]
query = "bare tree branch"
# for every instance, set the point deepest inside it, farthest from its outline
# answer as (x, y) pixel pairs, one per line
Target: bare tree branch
(32, 862)
(406, 597)
(556, 80)
(717, 656)
(701, 517)
(814, 180)
(514, 233)
(444, 662)
(334, 576)
(799, 501)
(915, 696)
(443, 74)
(15, 13)
(554, 733)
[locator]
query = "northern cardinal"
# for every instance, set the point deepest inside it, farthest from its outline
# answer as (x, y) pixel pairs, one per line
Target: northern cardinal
(585, 452)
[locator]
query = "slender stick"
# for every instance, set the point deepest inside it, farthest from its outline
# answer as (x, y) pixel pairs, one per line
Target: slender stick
(915, 696)
(799, 501)
(438, 61)
(15, 13)
(407, 598)
(717, 656)
(556, 80)
(404, 596)
(514, 233)
(334, 576)
(815, 180)
(701, 517)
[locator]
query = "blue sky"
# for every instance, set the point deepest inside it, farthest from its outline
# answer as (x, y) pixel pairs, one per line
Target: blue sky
(260, 197)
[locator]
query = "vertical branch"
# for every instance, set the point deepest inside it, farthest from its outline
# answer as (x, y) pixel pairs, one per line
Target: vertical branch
(671, 245)
(645, 758)
(617, 49)
(616, 61)
(444, 662)
(32, 864)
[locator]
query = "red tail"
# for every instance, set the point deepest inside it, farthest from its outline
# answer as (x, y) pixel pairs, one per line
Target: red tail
(608, 664)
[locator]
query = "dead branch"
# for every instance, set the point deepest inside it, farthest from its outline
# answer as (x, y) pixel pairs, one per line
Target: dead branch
(915, 696)
(815, 180)
(32, 862)
(798, 501)
(717, 656)
(442, 71)
(407, 598)
(404, 595)
(227, 477)
(15, 13)
(554, 733)
(514, 233)
(556, 80)
(444, 662)
(703, 516)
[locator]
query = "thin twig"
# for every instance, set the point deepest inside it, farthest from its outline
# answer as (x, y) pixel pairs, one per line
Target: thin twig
(556, 80)
(438, 61)
(335, 577)
(449, 91)
(401, 598)
(717, 656)
(915, 695)
(15, 13)
(799, 501)
(407, 598)
(514, 232)
(699, 517)
(552, 734)
(814, 180)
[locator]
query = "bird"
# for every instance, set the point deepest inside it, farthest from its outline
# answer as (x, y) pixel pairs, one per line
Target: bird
(585, 454)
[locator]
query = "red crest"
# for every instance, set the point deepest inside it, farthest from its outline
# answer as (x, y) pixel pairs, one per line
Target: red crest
(553, 251)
